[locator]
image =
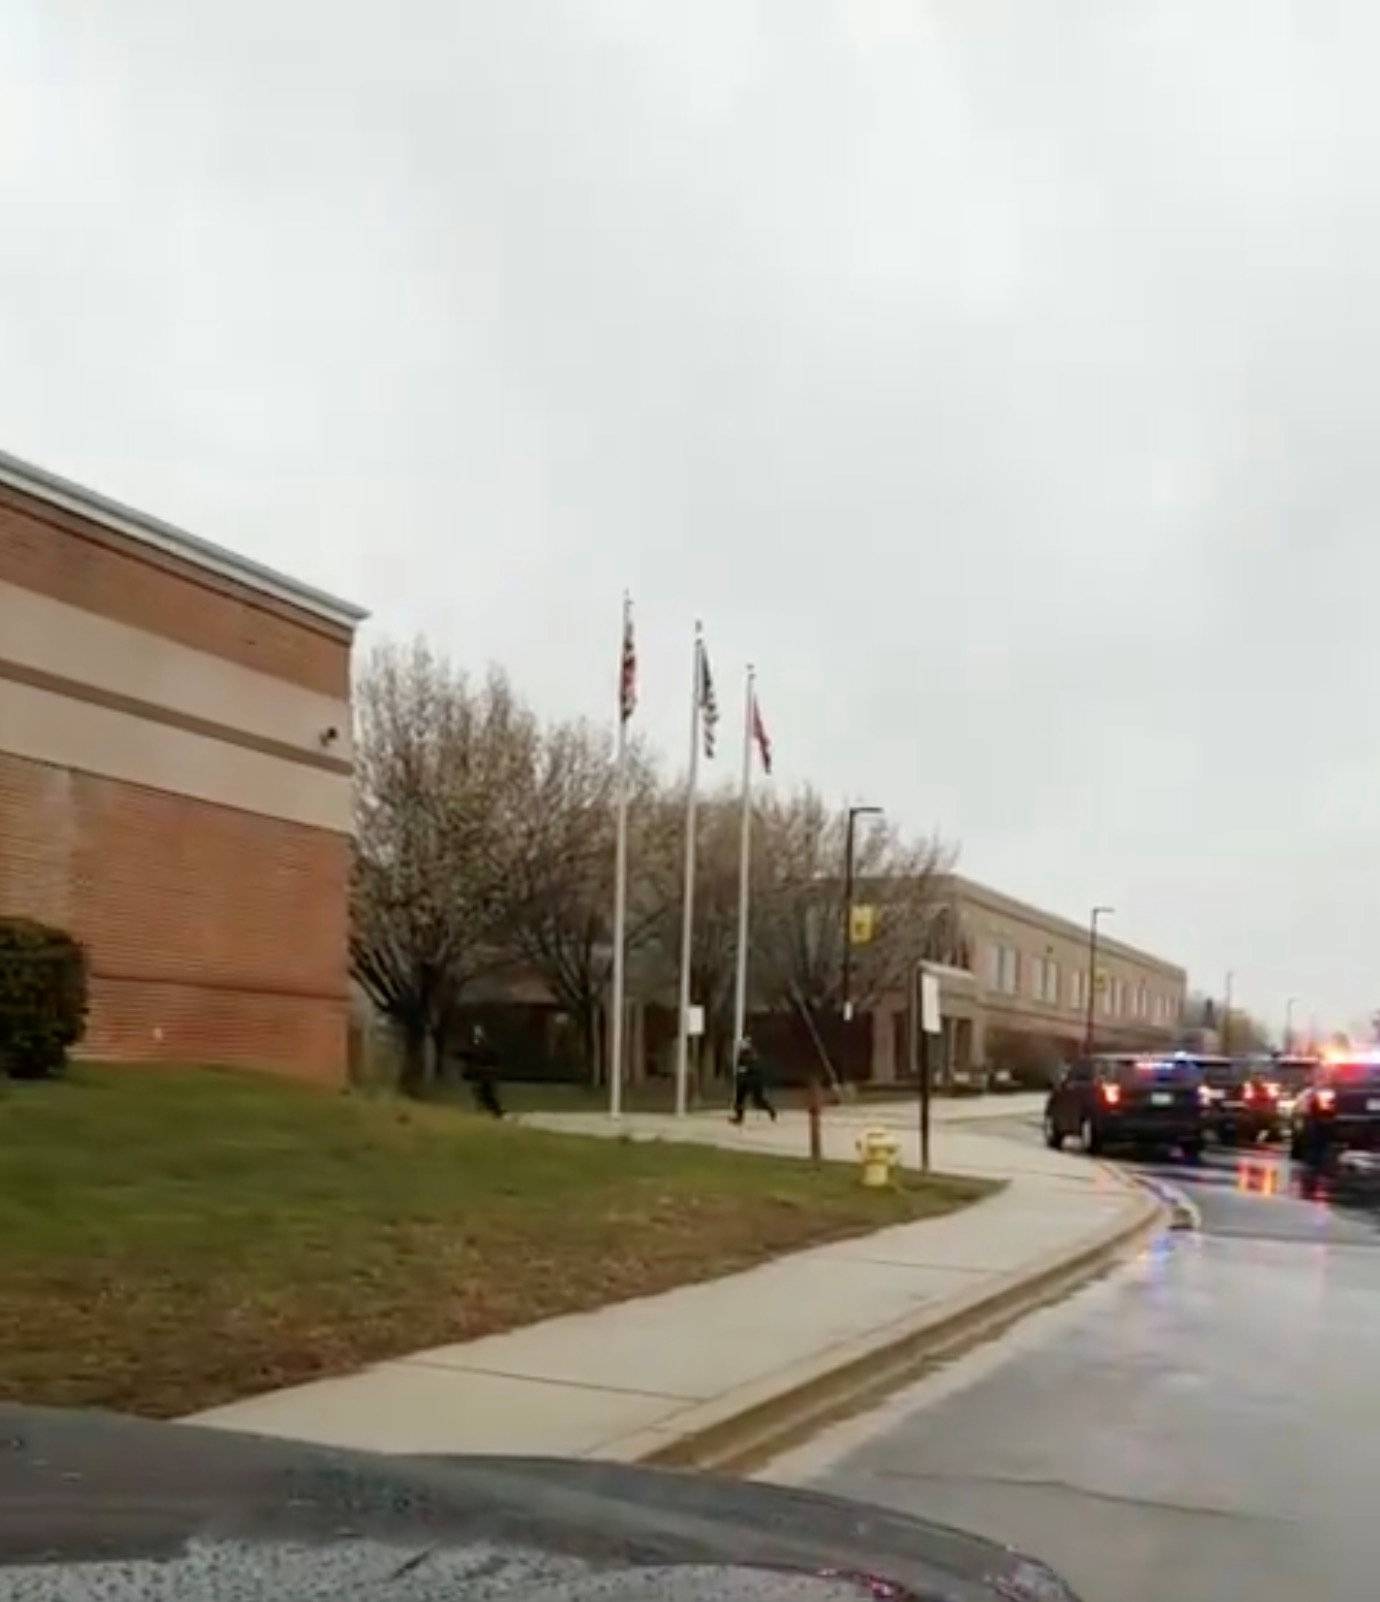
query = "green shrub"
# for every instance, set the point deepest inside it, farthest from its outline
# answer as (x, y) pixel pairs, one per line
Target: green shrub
(42, 998)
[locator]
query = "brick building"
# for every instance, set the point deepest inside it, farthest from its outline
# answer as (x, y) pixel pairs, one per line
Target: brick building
(175, 779)
(1015, 978)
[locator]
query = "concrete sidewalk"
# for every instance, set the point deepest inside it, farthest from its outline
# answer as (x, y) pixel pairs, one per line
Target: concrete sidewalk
(631, 1380)
(959, 1142)
(1024, 1105)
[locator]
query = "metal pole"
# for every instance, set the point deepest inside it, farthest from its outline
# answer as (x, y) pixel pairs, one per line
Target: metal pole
(846, 999)
(1092, 975)
(1225, 1031)
(919, 977)
(846, 1004)
(687, 912)
(744, 855)
(1287, 1043)
(912, 1023)
(620, 898)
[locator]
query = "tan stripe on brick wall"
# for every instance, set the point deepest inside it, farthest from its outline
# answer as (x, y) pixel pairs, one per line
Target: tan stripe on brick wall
(66, 733)
(98, 658)
(60, 555)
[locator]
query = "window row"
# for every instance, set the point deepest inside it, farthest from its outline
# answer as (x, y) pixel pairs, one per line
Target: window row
(1012, 973)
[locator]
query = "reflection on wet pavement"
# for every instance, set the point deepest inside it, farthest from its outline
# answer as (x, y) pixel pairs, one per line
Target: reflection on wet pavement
(1341, 1201)
(1203, 1424)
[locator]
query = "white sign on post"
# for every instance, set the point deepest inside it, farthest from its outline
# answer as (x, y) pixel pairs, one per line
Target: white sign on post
(929, 1005)
(694, 1020)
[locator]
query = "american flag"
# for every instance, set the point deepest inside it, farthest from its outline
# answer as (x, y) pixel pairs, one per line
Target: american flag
(709, 704)
(627, 671)
(759, 733)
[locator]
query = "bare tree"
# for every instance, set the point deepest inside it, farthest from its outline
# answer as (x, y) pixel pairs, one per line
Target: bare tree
(714, 936)
(562, 876)
(440, 765)
(798, 914)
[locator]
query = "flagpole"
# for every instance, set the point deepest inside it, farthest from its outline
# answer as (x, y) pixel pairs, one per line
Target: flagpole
(620, 878)
(744, 854)
(687, 911)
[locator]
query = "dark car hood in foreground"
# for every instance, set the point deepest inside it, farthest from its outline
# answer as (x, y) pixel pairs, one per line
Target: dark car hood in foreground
(93, 1506)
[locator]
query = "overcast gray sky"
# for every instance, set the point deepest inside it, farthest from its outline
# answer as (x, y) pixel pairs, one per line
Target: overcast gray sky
(1001, 377)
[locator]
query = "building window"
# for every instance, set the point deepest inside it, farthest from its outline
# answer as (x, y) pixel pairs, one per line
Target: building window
(1119, 999)
(1006, 969)
(1142, 1001)
(1077, 980)
(1044, 979)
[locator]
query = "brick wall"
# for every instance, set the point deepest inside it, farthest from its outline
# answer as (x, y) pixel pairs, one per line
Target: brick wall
(214, 935)
(60, 555)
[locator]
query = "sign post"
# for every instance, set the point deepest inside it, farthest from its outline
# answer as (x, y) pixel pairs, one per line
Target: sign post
(694, 1038)
(930, 1024)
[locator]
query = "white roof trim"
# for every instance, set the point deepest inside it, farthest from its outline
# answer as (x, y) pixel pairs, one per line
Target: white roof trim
(45, 486)
(1053, 922)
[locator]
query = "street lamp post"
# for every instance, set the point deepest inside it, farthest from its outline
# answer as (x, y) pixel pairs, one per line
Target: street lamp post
(1097, 912)
(854, 813)
(1225, 1031)
(1286, 1044)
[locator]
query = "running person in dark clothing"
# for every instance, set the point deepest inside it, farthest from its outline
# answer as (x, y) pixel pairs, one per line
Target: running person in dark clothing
(749, 1084)
(480, 1065)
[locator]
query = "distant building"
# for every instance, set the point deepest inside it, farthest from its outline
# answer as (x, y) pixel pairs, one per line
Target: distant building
(1013, 994)
(175, 779)
(1014, 989)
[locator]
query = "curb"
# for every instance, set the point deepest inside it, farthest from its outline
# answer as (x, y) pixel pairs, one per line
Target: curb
(1183, 1213)
(754, 1422)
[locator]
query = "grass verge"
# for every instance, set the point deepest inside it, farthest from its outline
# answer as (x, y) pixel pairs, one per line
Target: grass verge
(173, 1239)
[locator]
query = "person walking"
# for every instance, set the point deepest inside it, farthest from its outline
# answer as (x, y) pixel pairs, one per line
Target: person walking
(483, 1080)
(749, 1083)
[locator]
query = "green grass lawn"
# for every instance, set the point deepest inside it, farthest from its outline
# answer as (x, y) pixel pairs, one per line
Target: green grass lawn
(172, 1239)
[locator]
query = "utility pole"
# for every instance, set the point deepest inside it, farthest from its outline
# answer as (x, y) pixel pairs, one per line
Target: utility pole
(1287, 1042)
(846, 998)
(1225, 1031)
(1097, 912)
(920, 1049)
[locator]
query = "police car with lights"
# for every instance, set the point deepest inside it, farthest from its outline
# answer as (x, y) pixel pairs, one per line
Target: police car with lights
(1292, 1076)
(1242, 1100)
(1339, 1111)
(1143, 1102)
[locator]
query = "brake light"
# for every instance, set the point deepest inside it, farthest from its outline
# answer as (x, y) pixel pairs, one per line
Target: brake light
(1327, 1099)
(1111, 1094)
(1248, 1091)
(1204, 1096)
(1272, 1090)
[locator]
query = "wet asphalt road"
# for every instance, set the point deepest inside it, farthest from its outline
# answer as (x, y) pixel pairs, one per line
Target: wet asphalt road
(1202, 1424)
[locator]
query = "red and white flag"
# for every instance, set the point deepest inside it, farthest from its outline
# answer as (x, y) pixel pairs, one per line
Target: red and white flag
(759, 733)
(627, 670)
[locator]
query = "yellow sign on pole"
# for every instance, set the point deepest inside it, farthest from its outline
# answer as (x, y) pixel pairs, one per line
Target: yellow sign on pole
(862, 922)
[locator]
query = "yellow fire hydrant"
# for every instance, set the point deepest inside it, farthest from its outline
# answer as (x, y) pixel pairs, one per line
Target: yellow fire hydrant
(880, 1151)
